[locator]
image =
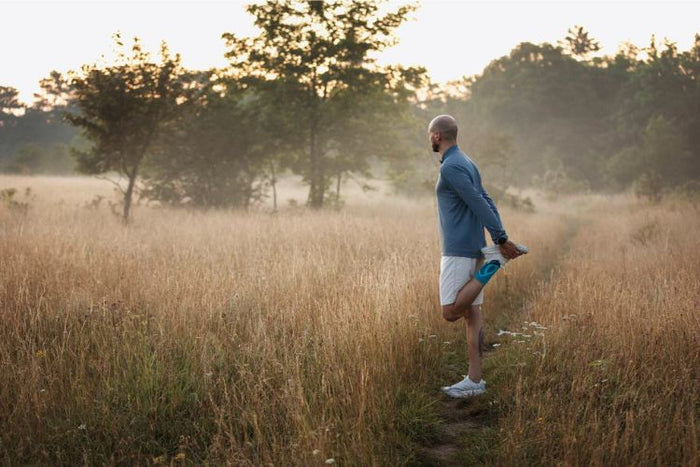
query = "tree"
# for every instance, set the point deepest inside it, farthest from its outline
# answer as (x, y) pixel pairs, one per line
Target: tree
(649, 186)
(579, 44)
(33, 158)
(665, 152)
(317, 59)
(56, 93)
(28, 159)
(9, 101)
(493, 151)
(657, 116)
(211, 154)
(540, 97)
(41, 123)
(573, 120)
(122, 108)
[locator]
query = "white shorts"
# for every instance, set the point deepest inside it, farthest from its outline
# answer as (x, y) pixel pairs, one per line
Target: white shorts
(455, 271)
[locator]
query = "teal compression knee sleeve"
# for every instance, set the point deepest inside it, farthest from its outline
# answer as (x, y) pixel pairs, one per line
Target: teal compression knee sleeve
(487, 271)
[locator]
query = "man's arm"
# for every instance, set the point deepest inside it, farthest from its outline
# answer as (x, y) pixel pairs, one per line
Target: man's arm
(463, 183)
(508, 248)
(492, 204)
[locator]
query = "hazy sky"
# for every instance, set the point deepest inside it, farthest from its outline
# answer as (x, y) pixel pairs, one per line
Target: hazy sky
(450, 38)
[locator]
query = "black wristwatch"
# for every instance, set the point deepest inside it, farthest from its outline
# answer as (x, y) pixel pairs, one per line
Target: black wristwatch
(501, 240)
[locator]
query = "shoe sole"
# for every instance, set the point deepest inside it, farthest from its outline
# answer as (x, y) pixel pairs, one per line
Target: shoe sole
(464, 394)
(498, 256)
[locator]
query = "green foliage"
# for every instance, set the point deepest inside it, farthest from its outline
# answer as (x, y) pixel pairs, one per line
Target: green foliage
(28, 158)
(648, 186)
(45, 128)
(315, 61)
(664, 150)
(579, 43)
(540, 98)
(413, 178)
(32, 158)
(556, 182)
(56, 93)
(661, 151)
(621, 168)
(9, 99)
(597, 123)
(20, 126)
(410, 165)
(306, 95)
(122, 108)
(658, 115)
(213, 154)
(689, 191)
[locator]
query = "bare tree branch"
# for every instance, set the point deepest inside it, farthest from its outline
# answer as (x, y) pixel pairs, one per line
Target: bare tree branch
(116, 183)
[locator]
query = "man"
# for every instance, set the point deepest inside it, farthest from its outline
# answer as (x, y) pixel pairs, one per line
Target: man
(464, 209)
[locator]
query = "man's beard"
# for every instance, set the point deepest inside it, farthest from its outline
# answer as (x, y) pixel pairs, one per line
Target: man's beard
(436, 147)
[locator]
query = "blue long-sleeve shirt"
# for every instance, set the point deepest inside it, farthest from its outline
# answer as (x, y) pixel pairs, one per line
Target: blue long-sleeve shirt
(464, 207)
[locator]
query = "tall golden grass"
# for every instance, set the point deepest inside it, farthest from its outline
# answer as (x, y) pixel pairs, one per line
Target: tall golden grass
(615, 377)
(300, 337)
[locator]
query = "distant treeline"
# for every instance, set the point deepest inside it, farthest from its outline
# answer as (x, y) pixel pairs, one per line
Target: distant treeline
(550, 115)
(307, 96)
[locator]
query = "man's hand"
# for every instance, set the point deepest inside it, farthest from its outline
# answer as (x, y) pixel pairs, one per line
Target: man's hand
(509, 250)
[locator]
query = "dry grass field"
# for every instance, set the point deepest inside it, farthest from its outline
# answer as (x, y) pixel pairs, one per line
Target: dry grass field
(614, 380)
(310, 338)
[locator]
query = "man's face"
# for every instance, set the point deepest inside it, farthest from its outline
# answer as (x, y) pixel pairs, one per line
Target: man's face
(434, 138)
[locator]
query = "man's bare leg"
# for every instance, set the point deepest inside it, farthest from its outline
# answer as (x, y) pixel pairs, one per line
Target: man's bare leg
(462, 307)
(465, 297)
(469, 291)
(475, 341)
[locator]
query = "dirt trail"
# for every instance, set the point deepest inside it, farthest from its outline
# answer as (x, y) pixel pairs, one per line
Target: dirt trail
(459, 419)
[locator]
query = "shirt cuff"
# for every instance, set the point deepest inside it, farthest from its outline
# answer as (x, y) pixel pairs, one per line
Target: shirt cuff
(501, 239)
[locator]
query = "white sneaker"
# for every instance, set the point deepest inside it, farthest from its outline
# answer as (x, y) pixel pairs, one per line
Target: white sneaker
(493, 252)
(465, 388)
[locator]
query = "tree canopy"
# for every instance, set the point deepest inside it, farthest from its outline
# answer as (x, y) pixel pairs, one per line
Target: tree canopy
(306, 95)
(316, 61)
(122, 108)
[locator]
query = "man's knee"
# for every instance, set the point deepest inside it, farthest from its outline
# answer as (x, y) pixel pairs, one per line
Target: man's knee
(449, 312)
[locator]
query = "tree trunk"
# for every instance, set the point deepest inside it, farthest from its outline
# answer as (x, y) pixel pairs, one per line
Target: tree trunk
(273, 182)
(317, 186)
(247, 195)
(128, 195)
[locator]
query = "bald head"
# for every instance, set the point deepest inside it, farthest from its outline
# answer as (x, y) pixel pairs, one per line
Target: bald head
(446, 125)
